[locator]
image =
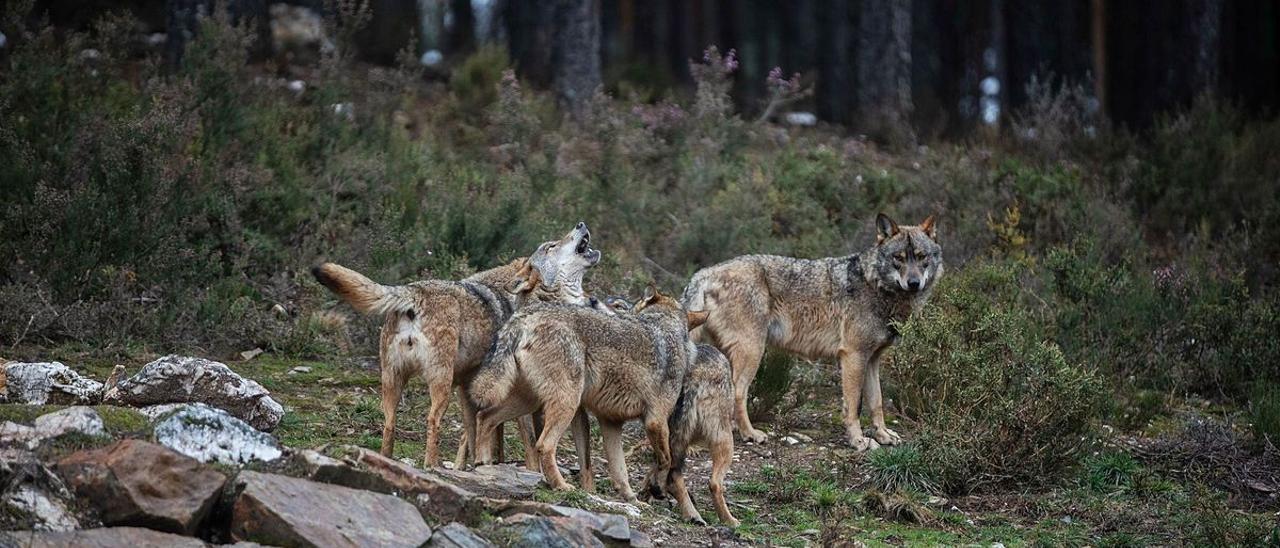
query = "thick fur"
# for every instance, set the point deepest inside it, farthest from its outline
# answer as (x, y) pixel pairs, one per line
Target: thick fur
(839, 308)
(440, 330)
(703, 416)
(557, 358)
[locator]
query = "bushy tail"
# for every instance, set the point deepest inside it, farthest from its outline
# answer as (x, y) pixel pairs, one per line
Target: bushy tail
(497, 375)
(692, 299)
(363, 294)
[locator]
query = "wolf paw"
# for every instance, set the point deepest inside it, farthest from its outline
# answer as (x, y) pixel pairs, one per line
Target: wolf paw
(731, 522)
(697, 520)
(863, 443)
(886, 436)
(754, 436)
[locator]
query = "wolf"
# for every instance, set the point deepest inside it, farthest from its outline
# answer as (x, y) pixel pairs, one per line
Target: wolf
(839, 308)
(441, 329)
(703, 416)
(559, 357)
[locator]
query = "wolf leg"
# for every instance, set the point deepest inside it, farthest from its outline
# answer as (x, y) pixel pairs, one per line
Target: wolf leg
(439, 376)
(874, 401)
(488, 420)
(721, 459)
(556, 420)
(852, 367)
(529, 437)
(392, 389)
(467, 442)
(745, 358)
(582, 440)
(611, 433)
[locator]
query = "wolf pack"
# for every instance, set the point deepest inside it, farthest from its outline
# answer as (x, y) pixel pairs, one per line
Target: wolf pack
(524, 342)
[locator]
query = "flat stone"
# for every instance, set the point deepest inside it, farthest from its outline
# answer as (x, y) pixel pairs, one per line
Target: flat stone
(49, 383)
(553, 532)
(457, 535)
(180, 379)
(496, 480)
(280, 510)
(446, 501)
(108, 537)
(133, 482)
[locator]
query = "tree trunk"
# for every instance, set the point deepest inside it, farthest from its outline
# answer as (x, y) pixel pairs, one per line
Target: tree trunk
(576, 52)
(1205, 20)
(835, 67)
(882, 97)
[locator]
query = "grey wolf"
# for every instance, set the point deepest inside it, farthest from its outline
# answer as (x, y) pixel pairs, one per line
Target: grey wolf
(559, 358)
(440, 330)
(837, 308)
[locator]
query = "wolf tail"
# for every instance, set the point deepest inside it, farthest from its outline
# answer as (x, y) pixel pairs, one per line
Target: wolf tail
(363, 294)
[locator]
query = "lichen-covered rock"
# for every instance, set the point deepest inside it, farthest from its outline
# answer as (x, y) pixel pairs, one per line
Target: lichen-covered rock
(284, 511)
(33, 497)
(134, 482)
(108, 537)
(209, 434)
(48, 383)
(179, 379)
(79, 419)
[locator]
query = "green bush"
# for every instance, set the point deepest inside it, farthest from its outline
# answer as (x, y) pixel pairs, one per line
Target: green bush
(995, 398)
(1109, 472)
(772, 382)
(1264, 412)
(901, 468)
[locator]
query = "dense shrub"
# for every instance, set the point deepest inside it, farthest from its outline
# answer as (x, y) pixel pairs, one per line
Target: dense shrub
(996, 399)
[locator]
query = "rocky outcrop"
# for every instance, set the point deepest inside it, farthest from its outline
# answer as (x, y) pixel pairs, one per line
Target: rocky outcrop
(79, 420)
(285, 511)
(552, 532)
(134, 482)
(496, 480)
(209, 434)
(178, 379)
(48, 383)
(362, 468)
(110, 537)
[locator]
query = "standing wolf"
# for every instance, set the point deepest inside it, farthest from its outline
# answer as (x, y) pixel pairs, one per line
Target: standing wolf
(840, 308)
(441, 329)
(558, 357)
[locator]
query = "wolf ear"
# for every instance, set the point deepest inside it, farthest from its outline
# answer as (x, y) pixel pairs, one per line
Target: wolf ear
(927, 227)
(528, 280)
(696, 318)
(650, 291)
(885, 228)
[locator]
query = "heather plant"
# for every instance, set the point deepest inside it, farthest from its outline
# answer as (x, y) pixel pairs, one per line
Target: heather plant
(995, 398)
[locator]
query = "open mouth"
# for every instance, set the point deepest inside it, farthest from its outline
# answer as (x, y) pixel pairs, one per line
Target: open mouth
(584, 243)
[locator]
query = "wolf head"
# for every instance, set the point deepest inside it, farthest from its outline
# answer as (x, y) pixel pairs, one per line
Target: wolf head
(905, 258)
(655, 300)
(567, 258)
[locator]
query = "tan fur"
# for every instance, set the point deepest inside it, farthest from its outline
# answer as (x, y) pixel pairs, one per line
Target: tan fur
(704, 417)
(440, 330)
(559, 358)
(838, 308)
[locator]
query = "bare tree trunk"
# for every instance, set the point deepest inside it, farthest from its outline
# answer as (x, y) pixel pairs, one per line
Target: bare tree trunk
(882, 95)
(1205, 21)
(835, 68)
(576, 52)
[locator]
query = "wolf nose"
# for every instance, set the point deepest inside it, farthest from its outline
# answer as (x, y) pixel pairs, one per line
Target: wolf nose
(913, 284)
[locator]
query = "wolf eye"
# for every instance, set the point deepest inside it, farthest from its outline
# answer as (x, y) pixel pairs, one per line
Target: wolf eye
(899, 257)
